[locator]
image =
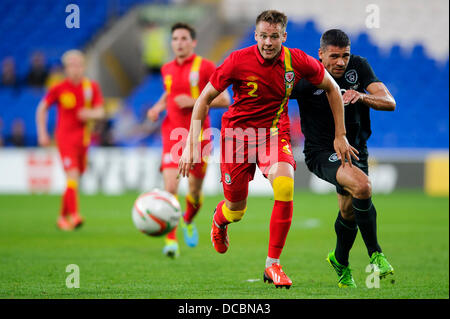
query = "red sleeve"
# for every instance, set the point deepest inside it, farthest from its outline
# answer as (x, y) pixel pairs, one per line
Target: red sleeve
(208, 69)
(97, 98)
(223, 75)
(51, 96)
(308, 67)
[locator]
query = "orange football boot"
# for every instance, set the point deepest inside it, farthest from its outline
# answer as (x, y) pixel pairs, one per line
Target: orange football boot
(274, 274)
(219, 238)
(77, 221)
(64, 224)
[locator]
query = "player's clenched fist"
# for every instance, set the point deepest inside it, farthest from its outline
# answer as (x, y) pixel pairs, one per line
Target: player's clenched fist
(184, 101)
(153, 114)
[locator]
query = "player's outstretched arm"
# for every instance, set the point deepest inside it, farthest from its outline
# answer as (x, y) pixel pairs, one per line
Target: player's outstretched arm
(95, 113)
(41, 124)
(190, 154)
(155, 110)
(379, 97)
(343, 149)
(223, 100)
(186, 101)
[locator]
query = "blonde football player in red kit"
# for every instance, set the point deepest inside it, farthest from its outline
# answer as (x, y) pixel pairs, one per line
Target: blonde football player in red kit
(262, 76)
(79, 100)
(184, 78)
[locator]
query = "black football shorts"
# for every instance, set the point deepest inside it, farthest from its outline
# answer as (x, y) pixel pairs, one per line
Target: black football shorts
(325, 164)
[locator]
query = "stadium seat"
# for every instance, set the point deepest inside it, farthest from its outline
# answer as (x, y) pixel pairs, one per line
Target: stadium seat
(418, 82)
(426, 110)
(18, 21)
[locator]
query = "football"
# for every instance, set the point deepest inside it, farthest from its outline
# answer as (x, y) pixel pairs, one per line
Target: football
(156, 213)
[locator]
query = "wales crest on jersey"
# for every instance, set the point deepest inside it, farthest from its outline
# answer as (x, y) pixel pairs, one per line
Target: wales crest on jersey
(289, 76)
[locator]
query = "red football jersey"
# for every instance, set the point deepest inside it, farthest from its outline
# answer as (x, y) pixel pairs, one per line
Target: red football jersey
(189, 78)
(70, 98)
(261, 88)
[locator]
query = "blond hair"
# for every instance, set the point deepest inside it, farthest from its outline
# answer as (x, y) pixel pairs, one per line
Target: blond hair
(71, 53)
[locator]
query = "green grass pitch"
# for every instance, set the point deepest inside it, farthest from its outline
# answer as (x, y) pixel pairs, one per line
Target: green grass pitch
(117, 261)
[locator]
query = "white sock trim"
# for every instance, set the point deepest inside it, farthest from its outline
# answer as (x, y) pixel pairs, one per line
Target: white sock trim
(271, 261)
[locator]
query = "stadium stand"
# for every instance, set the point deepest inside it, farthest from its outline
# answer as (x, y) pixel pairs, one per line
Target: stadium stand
(418, 81)
(25, 28)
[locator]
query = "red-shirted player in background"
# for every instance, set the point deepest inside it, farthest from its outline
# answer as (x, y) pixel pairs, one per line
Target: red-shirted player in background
(79, 100)
(184, 79)
(263, 76)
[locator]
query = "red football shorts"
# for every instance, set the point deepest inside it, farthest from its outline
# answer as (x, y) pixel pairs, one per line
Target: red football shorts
(73, 157)
(173, 149)
(239, 160)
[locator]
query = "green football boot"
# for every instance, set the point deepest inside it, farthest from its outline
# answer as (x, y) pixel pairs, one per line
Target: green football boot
(378, 259)
(344, 272)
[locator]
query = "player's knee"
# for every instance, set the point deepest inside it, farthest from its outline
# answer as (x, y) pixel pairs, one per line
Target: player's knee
(363, 190)
(283, 188)
(73, 175)
(171, 188)
(233, 215)
(72, 183)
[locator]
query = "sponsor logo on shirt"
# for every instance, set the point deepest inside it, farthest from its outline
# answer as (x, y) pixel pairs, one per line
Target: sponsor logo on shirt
(343, 92)
(318, 92)
(252, 78)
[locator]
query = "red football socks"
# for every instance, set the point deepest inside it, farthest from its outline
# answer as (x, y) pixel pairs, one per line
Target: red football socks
(172, 235)
(192, 208)
(70, 200)
(280, 222)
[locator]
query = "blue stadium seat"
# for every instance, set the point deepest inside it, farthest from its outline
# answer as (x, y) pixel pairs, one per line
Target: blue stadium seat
(418, 83)
(21, 36)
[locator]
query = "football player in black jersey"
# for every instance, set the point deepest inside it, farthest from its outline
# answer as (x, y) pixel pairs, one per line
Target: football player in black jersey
(361, 90)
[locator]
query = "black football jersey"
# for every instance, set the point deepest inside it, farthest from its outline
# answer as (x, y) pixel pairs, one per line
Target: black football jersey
(316, 118)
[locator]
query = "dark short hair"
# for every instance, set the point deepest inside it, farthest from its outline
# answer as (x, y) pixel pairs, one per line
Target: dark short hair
(273, 17)
(334, 37)
(182, 25)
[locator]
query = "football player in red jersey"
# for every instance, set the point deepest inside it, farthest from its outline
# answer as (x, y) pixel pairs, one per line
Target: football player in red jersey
(79, 101)
(263, 76)
(184, 78)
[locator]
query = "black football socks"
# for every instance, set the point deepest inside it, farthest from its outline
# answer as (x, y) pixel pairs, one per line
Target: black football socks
(366, 219)
(346, 231)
